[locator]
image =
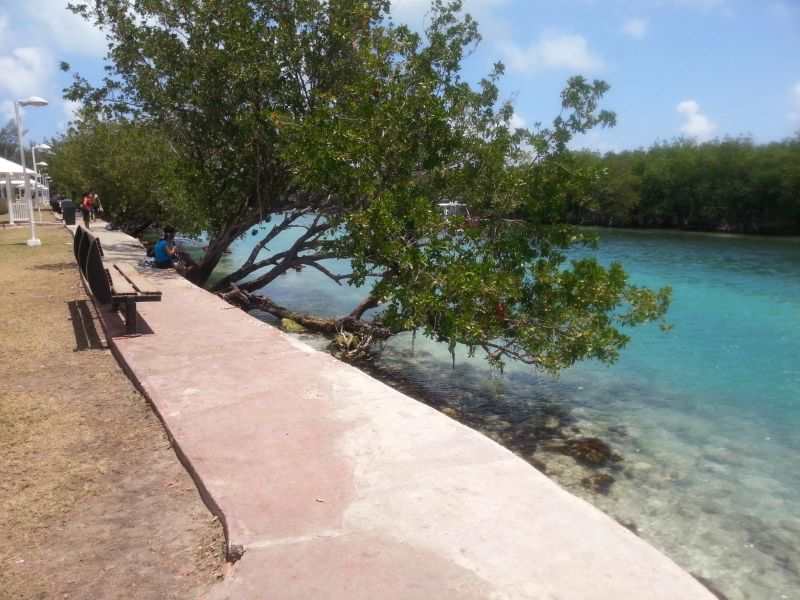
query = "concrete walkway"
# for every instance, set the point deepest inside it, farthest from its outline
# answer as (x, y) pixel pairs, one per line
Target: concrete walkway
(334, 485)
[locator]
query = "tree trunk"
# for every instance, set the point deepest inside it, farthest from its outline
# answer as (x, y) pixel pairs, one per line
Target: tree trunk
(198, 273)
(327, 326)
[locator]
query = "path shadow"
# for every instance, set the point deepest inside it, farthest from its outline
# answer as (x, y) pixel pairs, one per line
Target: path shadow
(83, 325)
(115, 324)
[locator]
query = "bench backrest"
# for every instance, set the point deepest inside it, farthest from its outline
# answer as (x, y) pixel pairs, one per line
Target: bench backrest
(76, 243)
(89, 255)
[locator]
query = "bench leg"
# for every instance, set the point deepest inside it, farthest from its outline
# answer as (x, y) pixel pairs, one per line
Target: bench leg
(130, 317)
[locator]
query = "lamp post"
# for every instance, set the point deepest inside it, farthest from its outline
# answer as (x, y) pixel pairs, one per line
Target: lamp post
(40, 187)
(11, 195)
(32, 101)
(47, 185)
(36, 165)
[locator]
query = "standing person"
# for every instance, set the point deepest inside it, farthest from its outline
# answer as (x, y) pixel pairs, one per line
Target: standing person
(86, 210)
(96, 208)
(164, 251)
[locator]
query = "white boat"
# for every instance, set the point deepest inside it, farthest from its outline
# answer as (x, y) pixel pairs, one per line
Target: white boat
(454, 209)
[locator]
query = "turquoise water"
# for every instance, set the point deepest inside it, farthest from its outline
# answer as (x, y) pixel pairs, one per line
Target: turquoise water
(707, 416)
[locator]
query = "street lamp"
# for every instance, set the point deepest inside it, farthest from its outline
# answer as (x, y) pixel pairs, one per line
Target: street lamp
(40, 185)
(34, 148)
(46, 148)
(34, 101)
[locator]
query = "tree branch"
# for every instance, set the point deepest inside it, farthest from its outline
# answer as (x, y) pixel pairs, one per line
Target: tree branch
(250, 266)
(368, 303)
(282, 261)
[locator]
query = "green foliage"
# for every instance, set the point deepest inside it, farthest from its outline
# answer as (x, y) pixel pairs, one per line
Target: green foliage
(724, 185)
(9, 146)
(504, 289)
(324, 115)
(130, 166)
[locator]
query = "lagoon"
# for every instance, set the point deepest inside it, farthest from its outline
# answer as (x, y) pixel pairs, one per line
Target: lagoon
(706, 417)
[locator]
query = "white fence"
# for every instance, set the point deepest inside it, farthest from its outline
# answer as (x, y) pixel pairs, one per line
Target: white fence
(19, 210)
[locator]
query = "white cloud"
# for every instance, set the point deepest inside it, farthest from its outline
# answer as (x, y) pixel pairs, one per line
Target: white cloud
(553, 51)
(6, 111)
(635, 27)
(794, 115)
(48, 23)
(25, 71)
(71, 108)
(696, 125)
(69, 31)
(518, 122)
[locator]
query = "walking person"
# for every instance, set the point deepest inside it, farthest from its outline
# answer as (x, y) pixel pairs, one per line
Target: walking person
(86, 210)
(96, 206)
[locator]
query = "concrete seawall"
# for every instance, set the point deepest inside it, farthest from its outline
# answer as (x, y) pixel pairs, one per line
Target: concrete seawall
(333, 485)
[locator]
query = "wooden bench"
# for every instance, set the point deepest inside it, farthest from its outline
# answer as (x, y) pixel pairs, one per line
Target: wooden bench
(117, 284)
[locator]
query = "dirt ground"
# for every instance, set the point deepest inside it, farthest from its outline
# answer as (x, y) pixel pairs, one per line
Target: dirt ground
(94, 502)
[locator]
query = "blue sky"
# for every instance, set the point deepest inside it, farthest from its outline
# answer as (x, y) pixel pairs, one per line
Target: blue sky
(698, 68)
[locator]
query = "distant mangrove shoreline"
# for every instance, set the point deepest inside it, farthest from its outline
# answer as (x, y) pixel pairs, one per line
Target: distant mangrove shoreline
(724, 186)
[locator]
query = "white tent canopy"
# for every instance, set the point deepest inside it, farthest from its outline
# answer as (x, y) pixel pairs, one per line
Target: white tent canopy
(11, 178)
(8, 167)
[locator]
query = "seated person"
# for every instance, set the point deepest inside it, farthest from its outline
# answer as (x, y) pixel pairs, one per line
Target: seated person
(164, 251)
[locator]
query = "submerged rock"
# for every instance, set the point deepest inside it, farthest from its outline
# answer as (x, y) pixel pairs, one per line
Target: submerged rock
(599, 483)
(552, 423)
(290, 326)
(451, 412)
(495, 423)
(590, 451)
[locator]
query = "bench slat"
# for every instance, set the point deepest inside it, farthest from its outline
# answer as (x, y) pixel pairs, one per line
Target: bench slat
(139, 284)
(119, 285)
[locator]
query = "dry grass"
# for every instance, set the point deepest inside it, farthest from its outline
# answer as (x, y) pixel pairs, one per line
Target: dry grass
(94, 501)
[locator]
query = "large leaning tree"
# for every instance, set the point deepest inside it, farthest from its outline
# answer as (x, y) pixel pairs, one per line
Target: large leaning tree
(329, 120)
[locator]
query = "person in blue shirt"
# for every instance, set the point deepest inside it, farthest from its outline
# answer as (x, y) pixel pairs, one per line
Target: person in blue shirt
(164, 251)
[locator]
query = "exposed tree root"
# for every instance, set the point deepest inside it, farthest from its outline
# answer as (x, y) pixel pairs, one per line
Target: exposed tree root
(366, 331)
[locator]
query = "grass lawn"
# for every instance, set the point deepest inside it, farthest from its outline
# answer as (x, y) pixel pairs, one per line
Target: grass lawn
(94, 502)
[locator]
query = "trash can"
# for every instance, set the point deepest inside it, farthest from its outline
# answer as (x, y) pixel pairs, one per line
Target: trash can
(68, 212)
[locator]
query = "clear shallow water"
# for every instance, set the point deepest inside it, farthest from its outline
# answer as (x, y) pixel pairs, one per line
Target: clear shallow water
(706, 417)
